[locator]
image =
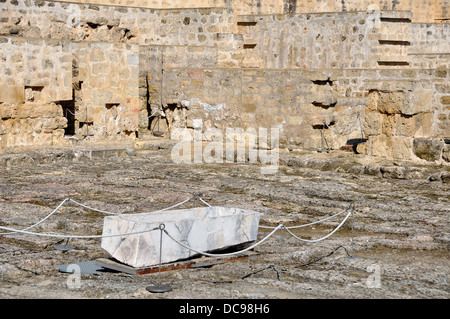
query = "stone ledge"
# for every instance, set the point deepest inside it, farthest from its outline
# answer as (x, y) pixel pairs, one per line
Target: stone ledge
(336, 161)
(55, 155)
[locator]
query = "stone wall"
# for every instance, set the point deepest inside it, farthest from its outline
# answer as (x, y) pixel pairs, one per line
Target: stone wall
(342, 40)
(39, 80)
(34, 70)
(34, 74)
(100, 43)
(108, 74)
(423, 11)
(405, 109)
(78, 22)
(324, 79)
(31, 124)
(155, 4)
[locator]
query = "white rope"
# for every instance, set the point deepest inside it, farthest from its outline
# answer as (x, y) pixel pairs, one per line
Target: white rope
(310, 224)
(160, 111)
(42, 220)
(201, 199)
(176, 205)
(226, 254)
(320, 221)
(93, 209)
(263, 240)
(323, 238)
(155, 211)
(76, 236)
(275, 229)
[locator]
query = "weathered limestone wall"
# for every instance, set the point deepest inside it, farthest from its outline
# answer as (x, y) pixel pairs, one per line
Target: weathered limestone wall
(354, 74)
(158, 62)
(403, 109)
(31, 124)
(357, 40)
(341, 40)
(107, 68)
(34, 66)
(389, 108)
(109, 103)
(156, 4)
(77, 22)
(34, 74)
(423, 11)
(430, 46)
(46, 73)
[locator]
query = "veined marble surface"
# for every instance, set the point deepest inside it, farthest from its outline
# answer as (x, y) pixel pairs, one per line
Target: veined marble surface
(203, 229)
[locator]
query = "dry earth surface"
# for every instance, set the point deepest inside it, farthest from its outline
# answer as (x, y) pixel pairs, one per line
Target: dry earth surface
(400, 225)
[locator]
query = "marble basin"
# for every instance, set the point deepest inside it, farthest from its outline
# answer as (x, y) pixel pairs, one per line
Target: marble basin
(204, 229)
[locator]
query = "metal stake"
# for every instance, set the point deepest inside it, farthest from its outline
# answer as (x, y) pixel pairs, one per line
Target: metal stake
(281, 245)
(323, 141)
(159, 288)
(66, 246)
(352, 255)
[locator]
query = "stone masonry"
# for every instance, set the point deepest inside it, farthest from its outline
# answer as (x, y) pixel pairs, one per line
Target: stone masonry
(368, 75)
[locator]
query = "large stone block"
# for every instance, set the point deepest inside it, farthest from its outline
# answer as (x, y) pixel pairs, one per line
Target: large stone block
(204, 229)
(391, 147)
(446, 153)
(372, 123)
(421, 101)
(12, 94)
(428, 149)
(392, 102)
(401, 148)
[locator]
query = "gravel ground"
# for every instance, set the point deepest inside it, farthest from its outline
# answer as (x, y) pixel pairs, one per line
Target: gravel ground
(399, 247)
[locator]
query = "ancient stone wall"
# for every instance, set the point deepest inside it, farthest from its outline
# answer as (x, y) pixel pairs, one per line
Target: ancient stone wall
(423, 11)
(102, 59)
(108, 76)
(403, 109)
(324, 79)
(318, 41)
(34, 67)
(34, 74)
(156, 4)
(75, 22)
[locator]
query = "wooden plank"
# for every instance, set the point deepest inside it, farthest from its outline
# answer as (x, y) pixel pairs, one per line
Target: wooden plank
(110, 263)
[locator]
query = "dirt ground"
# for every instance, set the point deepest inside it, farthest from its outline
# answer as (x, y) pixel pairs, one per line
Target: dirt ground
(399, 247)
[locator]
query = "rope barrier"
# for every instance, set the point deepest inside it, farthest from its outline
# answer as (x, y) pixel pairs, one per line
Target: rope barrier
(281, 226)
(310, 224)
(176, 205)
(155, 211)
(274, 229)
(323, 238)
(42, 220)
(225, 254)
(76, 236)
(201, 199)
(93, 209)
